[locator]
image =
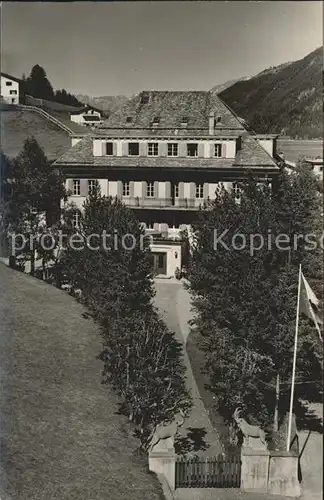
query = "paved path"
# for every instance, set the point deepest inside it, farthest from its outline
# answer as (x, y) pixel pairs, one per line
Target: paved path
(197, 434)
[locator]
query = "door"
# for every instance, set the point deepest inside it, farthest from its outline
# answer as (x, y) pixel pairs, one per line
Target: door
(160, 262)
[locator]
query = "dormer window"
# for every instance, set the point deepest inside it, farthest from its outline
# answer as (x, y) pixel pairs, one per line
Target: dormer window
(184, 121)
(129, 119)
(144, 98)
(218, 119)
(156, 120)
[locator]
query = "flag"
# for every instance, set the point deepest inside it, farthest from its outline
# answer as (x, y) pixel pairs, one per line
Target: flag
(309, 304)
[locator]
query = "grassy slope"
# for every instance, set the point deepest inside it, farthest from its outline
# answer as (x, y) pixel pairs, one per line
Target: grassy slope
(61, 436)
(289, 98)
(17, 125)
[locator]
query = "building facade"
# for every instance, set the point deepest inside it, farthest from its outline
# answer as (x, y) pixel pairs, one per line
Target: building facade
(88, 116)
(164, 154)
(9, 89)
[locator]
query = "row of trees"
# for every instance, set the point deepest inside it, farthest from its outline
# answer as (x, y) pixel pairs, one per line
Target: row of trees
(246, 301)
(142, 359)
(38, 85)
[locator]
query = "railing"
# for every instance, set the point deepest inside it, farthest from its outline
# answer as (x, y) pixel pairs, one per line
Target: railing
(210, 472)
(47, 116)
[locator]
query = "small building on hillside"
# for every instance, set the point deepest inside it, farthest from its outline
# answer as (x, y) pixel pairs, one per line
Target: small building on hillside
(10, 86)
(88, 116)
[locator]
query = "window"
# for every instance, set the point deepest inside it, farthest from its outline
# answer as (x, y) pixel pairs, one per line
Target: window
(321, 169)
(172, 149)
(184, 120)
(153, 149)
(109, 148)
(150, 190)
(8, 84)
(199, 190)
(218, 119)
(133, 148)
(236, 191)
(13, 92)
(156, 120)
(129, 119)
(91, 185)
(176, 190)
(192, 149)
(76, 219)
(76, 187)
(218, 150)
(125, 188)
(144, 98)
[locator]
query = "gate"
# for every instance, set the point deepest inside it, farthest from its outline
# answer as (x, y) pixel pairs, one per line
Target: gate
(210, 472)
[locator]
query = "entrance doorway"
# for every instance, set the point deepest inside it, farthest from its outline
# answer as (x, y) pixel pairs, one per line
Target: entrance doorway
(160, 262)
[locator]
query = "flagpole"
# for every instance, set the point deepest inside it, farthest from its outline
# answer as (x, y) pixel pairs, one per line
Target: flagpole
(294, 362)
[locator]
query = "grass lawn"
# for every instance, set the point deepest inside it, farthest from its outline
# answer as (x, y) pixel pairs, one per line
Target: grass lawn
(61, 435)
(19, 124)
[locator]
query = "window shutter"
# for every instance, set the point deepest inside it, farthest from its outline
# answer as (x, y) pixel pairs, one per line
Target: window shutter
(156, 189)
(181, 190)
(201, 149)
(143, 149)
(84, 187)
(212, 150)
(224, 150)
(156, 226)
(168, 189)
(144, 189)
(115, 148)
(131, 189)
(124, 148)
(192, 190)
(182, 149)
(205, 190)
(119, 189)
(163, 149)
(69, 185)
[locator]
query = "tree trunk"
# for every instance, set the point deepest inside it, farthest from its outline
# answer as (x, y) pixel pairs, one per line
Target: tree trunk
(276, 411)
(32, 262)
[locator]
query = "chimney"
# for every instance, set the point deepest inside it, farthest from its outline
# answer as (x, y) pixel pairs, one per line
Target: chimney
(211, 123)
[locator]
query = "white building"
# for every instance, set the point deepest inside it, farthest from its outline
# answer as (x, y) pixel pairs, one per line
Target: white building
(87, 116)
(164, 155)
(10, 89)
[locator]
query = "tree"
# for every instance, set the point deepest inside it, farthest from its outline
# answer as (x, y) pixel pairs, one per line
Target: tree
(246, 301)
(141, 357)
(36, 191)
(38, 85)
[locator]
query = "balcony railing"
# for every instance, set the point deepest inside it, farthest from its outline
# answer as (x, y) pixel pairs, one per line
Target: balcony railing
(168, 203)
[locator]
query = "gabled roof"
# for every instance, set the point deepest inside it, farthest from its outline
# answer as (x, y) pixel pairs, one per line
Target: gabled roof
(171, 107)
(10, 77)
(84, 109)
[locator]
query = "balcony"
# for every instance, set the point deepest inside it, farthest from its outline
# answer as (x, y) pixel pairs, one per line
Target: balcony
(165, 203)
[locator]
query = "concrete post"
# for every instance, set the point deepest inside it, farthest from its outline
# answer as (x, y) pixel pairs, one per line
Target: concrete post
(254, 470)
(162, 459)
(283, 474)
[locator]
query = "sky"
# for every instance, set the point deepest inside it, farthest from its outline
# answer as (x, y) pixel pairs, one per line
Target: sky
(121, 48)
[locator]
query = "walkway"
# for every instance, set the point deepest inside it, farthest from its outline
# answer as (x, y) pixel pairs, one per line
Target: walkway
(197, 435)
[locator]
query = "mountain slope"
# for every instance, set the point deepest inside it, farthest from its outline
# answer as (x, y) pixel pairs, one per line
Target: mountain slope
(286, 99)
(107, 103)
